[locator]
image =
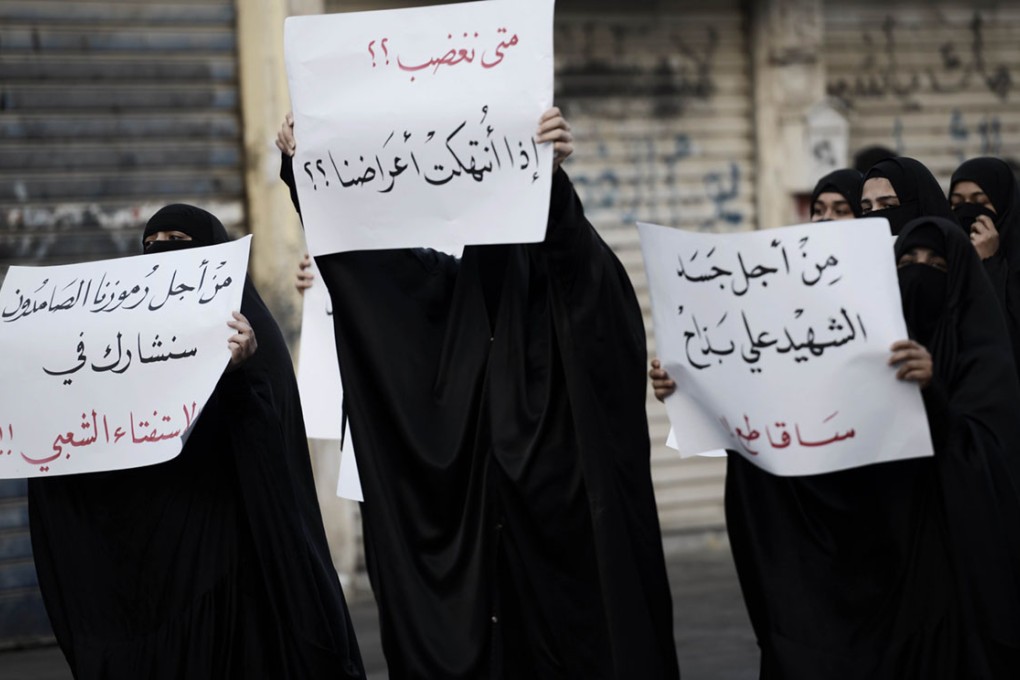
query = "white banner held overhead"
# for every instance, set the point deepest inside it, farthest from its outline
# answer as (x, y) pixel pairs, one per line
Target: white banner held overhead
(108, 364)
(415, 127)
(779, 341)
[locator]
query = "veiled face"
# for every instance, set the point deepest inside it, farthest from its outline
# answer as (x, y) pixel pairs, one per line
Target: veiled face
(878, 193)
(831, 205)
(966, 191)
(170, 235)
(922, 255)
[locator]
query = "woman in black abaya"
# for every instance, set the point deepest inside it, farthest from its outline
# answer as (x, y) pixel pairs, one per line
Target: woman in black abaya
(986, 200)
(213, 565)
(901, 189)
(972, 408)
(497, 402)
(904, 570)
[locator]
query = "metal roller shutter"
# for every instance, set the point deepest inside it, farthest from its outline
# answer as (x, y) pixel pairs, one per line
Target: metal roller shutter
(938, 81)
(108, 110)
(661, 104)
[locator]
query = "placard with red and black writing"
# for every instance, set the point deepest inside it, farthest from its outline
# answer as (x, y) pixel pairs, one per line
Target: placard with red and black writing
(779, 342)
(416, 127)
(107, 364)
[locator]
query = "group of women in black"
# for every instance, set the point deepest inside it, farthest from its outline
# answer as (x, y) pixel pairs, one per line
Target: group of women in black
(497, 403)
(509, 519)
(907, 569)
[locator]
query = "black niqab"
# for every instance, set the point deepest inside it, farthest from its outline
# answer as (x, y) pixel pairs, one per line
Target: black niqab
(847, 182)
(967, 213)
(916, 188)
(997, 180)
(213, 565)
(922, 286)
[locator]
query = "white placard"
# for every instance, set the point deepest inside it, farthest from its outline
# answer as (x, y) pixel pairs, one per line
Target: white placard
(319, 383)
(348, 483)
(108, 364)
(415, 127)
(318, 372)
(779, 340)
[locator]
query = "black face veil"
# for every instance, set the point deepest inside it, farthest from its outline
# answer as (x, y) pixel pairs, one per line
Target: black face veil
(916, 188)
(202, 226)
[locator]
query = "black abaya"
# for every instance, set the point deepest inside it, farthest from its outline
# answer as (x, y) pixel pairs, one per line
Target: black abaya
(497, 403)
(902, 570)
(212, 565)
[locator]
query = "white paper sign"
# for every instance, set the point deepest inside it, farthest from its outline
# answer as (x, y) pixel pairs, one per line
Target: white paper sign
(319, 383)
(318, 372)
(779, 340)
(108, 364)
(348, 483)
(415, 127)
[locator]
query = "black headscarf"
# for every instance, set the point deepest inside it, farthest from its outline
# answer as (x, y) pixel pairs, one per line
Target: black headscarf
(916, 188)
(214, 564)
(997, 180)
(995, 177)
(846, 182)
(202, 226)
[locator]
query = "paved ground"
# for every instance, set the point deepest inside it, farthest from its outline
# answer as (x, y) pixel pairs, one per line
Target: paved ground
(713, 637)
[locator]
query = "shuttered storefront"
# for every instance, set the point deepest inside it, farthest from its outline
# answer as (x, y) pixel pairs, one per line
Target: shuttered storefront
(660, 101)
(939, 81)
(108, 110)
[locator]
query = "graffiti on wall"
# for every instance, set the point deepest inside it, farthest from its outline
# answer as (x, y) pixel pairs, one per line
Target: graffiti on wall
(655, 191)
(606, 61)
(958, 65)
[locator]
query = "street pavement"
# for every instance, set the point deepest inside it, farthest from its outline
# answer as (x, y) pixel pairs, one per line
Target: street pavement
(713, 637)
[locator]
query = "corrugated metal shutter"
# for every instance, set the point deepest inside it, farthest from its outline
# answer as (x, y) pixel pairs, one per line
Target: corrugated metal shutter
(108, 110)
(661, 105)
(938, 81)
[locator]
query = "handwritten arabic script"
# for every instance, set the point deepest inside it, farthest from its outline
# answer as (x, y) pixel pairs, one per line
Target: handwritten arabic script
(379, 51)
(442, 158)
(104, 293)
(415, 127)
(779, 340)
(748, 331)
(97, 342)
